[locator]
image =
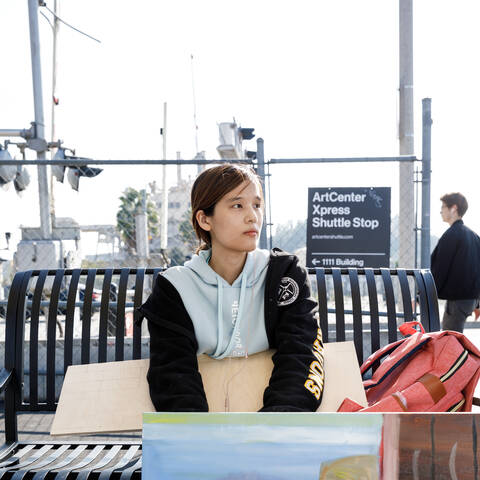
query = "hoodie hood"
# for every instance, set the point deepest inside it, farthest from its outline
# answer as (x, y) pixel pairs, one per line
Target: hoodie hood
(228, 320)
(256, 263)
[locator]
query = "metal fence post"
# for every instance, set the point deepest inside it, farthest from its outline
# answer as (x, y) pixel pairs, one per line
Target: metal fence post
(406, 135)
(41, 145)
(261, 174)
(426, 180)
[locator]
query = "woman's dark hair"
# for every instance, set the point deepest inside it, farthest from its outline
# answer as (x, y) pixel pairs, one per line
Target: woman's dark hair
(456, 198)
(210, 186)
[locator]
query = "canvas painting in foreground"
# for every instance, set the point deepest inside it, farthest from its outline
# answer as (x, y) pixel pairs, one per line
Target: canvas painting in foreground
(268, 446)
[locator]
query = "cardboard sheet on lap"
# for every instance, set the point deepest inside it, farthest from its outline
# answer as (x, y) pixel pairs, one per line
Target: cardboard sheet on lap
(111, 397)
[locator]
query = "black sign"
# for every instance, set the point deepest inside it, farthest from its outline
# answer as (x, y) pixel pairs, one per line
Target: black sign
(348, 227)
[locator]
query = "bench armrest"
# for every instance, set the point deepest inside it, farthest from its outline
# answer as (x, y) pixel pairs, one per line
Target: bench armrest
(5, 378)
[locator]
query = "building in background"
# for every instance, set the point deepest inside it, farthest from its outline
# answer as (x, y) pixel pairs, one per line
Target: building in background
(178, 213)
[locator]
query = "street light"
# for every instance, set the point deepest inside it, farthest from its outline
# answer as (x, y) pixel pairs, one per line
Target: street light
(17, 173)
(58, 171)
(74, 172)
(22, 180)
(7, 172)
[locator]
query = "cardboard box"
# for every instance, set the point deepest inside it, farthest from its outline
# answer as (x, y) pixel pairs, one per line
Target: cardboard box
(111, 397)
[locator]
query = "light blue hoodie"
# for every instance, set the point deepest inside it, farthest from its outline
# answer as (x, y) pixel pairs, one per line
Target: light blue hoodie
(229, 320)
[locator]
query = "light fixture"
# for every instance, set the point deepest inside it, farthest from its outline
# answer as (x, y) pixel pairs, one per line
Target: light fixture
(58, 171)
(7, 172)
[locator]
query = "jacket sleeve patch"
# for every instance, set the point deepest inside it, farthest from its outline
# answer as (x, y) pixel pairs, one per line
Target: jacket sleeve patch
(287, 291)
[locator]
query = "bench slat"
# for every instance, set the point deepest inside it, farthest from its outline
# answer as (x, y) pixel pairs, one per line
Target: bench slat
(105, 460)
(137, 301)
(433, 313)
(51, 337)
(120, 326)
(391, 309)
(17, 456)
(104, 316)
(12, 362)
(406, 295)
(128, 472)
(82, 464)
(87, 315)
(339, 307)
(64, 463)
(34, 321)
(44, 460)
(69, 319)
(357, 313)
(156, 272)
(322, 302)
(422, 297)
(373, 307)
(28, 461)
(122, 462)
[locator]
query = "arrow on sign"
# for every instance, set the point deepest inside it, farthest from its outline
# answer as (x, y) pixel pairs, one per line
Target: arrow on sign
(315, 261)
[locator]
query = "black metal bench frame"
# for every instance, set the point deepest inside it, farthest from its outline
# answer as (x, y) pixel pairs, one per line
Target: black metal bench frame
(42, 459)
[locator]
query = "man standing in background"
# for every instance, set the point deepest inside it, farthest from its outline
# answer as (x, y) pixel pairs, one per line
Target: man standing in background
(455, 264)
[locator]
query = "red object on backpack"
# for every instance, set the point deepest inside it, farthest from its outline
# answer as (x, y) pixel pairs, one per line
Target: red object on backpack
(425, 372)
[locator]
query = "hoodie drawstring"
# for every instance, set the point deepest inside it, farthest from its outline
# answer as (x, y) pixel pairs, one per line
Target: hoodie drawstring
(217, 355)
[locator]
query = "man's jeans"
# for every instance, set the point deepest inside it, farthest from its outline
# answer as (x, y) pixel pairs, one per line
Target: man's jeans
(456, 312)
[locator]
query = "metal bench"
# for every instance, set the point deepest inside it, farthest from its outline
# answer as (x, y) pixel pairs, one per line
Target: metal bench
(376, 301)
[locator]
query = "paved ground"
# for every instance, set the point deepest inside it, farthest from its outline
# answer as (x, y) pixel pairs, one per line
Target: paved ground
(36, 427)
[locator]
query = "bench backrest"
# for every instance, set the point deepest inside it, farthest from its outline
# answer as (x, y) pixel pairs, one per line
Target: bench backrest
(367, 305)
(53, 319)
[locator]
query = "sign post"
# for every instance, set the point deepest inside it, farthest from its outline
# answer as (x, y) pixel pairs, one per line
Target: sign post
(348, 227)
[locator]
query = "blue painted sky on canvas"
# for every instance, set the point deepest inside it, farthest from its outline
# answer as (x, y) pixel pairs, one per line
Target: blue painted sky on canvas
(280, 452)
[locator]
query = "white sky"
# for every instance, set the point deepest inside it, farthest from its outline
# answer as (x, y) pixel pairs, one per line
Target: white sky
(314, 78)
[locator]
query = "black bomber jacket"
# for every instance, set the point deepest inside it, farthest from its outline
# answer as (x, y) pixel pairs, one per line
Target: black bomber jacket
(455, 263)
(297, 379)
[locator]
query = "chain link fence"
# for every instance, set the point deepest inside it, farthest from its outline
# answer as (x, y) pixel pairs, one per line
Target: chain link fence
(113, 218)
(287, 188)
(109, 217)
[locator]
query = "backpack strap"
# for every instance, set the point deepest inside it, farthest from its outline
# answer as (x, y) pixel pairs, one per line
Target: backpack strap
(476, 401)
(379, 354)
(411, 349)
(406, 329)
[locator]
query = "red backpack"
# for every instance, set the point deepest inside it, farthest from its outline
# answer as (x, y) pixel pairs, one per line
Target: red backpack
(425, 372)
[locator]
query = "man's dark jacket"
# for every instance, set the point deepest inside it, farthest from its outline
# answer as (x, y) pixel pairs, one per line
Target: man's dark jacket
(455, 263)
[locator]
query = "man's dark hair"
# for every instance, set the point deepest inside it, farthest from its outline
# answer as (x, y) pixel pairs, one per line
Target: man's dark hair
(456, 198)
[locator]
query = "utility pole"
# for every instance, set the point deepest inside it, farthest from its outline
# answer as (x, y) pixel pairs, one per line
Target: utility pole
(39, 144)
(426, 181)
(141, 231)
(179, 169)
(164, 210)
(406, 136)
(55, 26)
(261, 174)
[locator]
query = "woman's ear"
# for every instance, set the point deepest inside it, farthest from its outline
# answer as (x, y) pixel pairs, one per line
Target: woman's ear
(202, 220)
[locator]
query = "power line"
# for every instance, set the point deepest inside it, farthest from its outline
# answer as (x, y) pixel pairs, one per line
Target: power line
(47, 19)
(71, 26)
